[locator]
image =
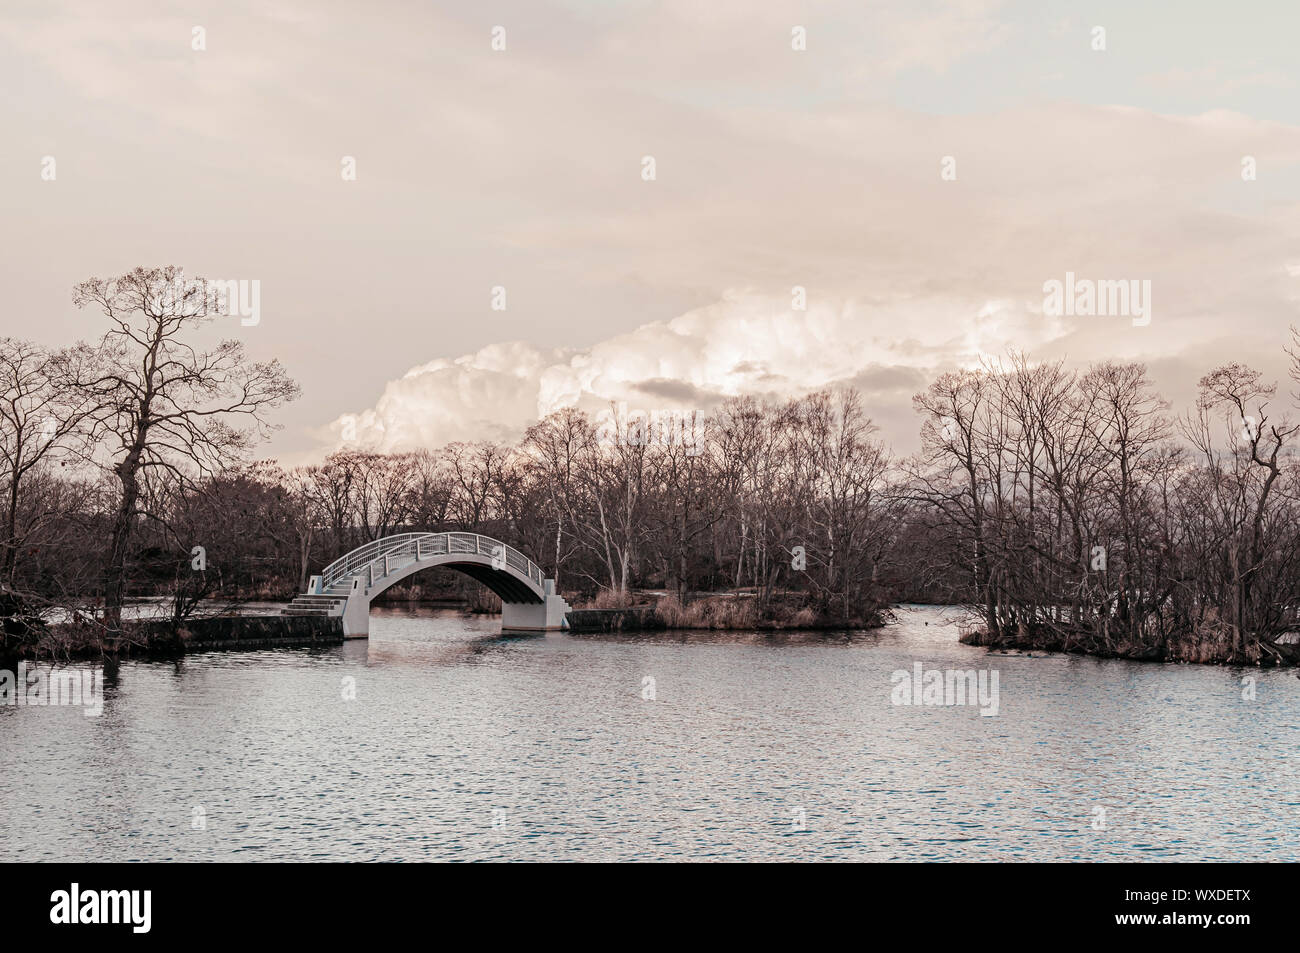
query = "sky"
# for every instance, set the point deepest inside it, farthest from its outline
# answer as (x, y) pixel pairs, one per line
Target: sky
(921, 170)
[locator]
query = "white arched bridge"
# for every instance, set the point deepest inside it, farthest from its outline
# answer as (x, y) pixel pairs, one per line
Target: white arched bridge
(345, 587)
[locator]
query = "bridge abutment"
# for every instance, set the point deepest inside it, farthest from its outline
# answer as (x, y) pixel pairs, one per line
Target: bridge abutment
(356, 614)
(545, 616)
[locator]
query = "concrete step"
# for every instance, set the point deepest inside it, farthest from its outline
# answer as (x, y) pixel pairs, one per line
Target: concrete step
(315, 604)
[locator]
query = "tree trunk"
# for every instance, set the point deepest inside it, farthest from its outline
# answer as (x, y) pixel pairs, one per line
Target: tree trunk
(11, 529)
(123, 522)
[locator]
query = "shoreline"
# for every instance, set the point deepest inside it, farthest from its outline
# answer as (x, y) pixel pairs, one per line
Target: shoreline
(1284, 655)
(159, 640)
(653, 618)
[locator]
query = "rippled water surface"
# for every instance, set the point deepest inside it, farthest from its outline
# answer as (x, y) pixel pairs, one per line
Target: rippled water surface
(462, 744)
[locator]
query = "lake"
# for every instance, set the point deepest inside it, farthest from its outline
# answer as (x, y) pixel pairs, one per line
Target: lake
(463, 745)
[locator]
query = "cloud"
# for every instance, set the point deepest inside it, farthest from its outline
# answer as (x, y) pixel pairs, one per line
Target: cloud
(776, 169)
(482, 396)
(746, 343)
(679, 392)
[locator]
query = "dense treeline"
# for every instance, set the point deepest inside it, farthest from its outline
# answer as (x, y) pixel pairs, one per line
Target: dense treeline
(127, 474)
(1088, 517)
(1068, 508)
(732, 502)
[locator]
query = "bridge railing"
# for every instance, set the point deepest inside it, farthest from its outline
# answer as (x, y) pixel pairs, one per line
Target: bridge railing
(381, 553)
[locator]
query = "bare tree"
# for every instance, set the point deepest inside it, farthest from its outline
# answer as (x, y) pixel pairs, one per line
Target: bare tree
(556, 445)
(40, 417)
(161, 404)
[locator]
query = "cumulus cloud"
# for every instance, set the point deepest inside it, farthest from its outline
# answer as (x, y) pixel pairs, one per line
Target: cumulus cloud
(745, 343)
(481, 396)
(902, 283)
(819, 168)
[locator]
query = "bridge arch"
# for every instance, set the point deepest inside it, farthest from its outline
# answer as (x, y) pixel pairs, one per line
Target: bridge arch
(346, 586)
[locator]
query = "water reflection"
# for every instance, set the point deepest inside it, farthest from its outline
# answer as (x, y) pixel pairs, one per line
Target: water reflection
(462, 744)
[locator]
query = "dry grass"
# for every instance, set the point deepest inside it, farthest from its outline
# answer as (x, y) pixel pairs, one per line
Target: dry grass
(611, 599)
(714, 612)
(803, 618)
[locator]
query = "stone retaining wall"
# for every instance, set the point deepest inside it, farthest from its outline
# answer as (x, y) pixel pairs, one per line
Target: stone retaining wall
(240, 632)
